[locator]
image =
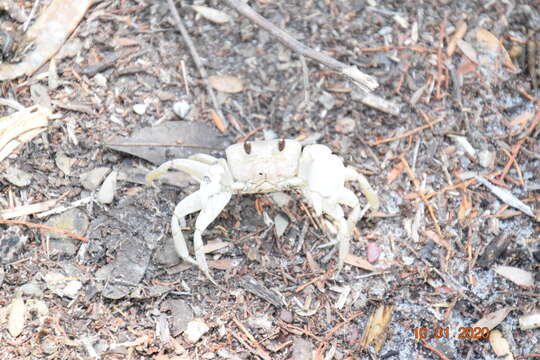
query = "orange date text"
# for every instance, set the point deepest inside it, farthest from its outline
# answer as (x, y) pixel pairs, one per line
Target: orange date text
(444, 333)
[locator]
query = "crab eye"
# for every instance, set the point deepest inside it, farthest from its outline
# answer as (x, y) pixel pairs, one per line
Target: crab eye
(247, 147)
(281, 144)
(206, 179)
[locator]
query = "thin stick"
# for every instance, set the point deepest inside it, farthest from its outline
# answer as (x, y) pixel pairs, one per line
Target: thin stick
(517, 147)
(406, 134)
(45, 227)
(422, 196)
(366, 82)
(251, 338)
(336, 328)
(202, 71)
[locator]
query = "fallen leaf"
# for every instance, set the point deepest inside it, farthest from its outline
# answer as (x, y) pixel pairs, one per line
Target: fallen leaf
(226, 83)
(468, 50)
(516, 275)
(217, 16)
(359, 262)
(458, 35)
(171, 140)
(46, 36)
(492, 319)
(21, 127)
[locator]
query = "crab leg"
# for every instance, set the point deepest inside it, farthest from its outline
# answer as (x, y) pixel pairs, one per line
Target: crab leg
(190, 204)
(194, 168)
(352, 175)
(214, 205)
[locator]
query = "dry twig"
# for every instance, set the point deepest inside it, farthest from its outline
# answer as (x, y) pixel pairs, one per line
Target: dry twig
(364, 81)
(202, 71)
(45, 227)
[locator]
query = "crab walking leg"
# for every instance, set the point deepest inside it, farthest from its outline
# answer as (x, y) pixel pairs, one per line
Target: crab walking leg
(215, 204)
(334, 211)
(194, 168)
(352, 175)
(190, 204)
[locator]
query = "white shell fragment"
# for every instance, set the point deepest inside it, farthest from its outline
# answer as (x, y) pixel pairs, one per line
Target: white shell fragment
(17, 317)
(529, 321)
(217, 16)
(506, 196)
(516, 275)
(196, 328)
(106, 193)
(181, 108)
(139, 109)
(500, 345)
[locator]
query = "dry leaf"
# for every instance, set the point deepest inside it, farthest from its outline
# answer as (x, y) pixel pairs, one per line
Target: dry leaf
(171, 140)
(487, 40)
(522, 119)
(214, 246)
(359, 262)
(21, 127)
(395, 172)
(217, 16)
(500, 346)
(375, 331)
(493, 319)
(516, 275)
(458, 35)
(468, 50)
(17, 317)
(226, 83)
(46, 36)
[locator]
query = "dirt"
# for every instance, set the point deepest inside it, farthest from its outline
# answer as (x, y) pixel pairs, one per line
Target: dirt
(433, 250)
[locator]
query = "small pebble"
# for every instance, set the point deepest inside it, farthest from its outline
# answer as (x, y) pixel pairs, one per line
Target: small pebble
(373, 252)
(18, 177)
(106, 193)
(90, 180)
(139, 109)
(181, 108)
(286, 316)
(100, 80)
(196, 328)
(302, 349)
(345, 125)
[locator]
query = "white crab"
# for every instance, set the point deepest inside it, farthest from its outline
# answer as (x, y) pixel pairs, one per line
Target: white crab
(267, 166)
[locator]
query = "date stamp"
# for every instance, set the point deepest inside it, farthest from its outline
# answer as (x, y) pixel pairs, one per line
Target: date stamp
(444, 333)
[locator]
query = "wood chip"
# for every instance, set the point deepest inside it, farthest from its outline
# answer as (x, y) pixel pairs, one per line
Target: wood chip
(226, 83)
(500, 345)
(359, 262)
(375, 331)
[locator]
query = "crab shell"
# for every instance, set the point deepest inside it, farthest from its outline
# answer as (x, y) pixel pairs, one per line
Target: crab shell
(267, 166)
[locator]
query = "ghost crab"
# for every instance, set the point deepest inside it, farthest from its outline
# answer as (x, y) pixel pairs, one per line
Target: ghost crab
(267, 166)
